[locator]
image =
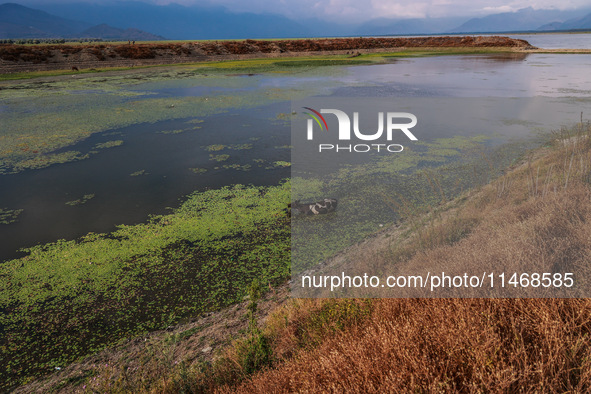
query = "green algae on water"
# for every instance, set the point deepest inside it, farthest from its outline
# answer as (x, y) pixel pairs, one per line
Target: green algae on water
(83, 200)
(40, 117)
(8, 216)
(139, 173)
(109, 144)
(215, 147)
(278, 164)
(238, 167)
(218, 158)
(139, 278)
(198, 170)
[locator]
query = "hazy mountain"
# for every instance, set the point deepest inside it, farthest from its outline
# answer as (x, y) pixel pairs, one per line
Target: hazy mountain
(107, 32)
(17, 21)
(524, 19)
(550, 26)
(316, 27)
(383, 26)
(175, 21)
(571, 24)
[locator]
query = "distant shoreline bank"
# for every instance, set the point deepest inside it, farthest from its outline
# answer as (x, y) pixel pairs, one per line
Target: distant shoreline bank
(31, 58)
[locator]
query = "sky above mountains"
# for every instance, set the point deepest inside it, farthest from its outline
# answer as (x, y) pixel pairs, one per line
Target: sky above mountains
(228, 20)
(355, 11)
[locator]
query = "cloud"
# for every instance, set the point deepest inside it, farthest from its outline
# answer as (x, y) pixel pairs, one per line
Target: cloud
(495, 10)
(355, 11)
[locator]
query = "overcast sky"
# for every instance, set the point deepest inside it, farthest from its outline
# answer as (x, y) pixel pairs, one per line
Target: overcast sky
(360, 10)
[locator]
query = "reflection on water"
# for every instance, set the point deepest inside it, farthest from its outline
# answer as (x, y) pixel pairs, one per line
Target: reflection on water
(481, 76)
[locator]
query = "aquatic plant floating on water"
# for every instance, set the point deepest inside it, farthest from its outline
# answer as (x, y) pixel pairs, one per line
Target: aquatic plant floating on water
(8, 216)
(83, 200)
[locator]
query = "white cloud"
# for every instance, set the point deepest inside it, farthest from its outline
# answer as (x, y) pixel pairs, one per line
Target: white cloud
(495, 10)
(359, 11)
(397, 9)
(355, 10)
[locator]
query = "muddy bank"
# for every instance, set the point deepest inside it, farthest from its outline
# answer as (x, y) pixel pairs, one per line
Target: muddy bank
(19, 58)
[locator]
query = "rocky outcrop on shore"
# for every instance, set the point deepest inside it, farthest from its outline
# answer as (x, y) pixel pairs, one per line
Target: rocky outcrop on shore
(19, 58)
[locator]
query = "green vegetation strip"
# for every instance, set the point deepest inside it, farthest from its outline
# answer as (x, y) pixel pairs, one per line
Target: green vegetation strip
(108, 144)
(69, 299)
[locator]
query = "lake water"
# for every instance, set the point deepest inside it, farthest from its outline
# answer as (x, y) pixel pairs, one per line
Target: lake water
(255, 137)
(557, 40)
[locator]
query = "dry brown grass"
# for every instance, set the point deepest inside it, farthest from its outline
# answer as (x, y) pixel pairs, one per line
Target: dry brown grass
(435, 345)
(42, 53)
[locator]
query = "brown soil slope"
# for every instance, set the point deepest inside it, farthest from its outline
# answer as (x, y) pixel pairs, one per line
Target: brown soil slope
(19, 58)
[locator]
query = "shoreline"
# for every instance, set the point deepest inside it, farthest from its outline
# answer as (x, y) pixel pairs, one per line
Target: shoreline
(27, 58)
(204, 344)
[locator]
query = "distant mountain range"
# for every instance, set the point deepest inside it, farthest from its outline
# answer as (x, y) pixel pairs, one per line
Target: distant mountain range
(142, 21)
(17, 21)
(526, 19)
(174, 21)
(107, 32)
(571, 24)
(384, 26)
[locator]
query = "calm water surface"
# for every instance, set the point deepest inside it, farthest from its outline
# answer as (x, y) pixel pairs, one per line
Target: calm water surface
(167, 158)
(557, 40)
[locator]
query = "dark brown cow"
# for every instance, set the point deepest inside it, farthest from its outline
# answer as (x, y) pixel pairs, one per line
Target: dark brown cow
(327, 205)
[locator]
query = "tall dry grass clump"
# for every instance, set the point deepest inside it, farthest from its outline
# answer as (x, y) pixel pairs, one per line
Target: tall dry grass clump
(436, 345)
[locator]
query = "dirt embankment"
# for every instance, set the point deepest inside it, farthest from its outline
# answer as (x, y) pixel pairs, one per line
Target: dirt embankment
(19, 58)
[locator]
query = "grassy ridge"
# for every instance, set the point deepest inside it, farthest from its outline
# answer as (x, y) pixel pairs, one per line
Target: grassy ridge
(273, 64)
(251, 65)
(70, 298)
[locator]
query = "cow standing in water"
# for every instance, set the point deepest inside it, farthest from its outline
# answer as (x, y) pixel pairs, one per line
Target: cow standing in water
(315, 208)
